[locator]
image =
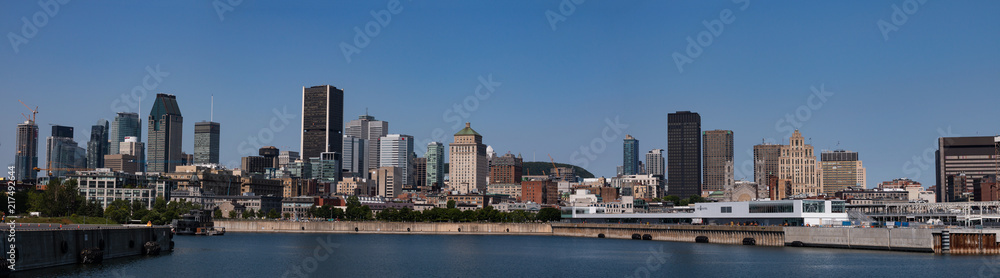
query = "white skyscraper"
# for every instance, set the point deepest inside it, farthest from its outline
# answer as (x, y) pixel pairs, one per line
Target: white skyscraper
(396, 150)
(366, 127)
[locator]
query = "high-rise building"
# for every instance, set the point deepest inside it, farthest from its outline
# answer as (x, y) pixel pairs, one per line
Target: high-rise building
(765, 162)
(206, 142)
(286, 158)
(137, 150)
(718, 160)
(121, 163)
(367, 128)
(506, 169)
(166, 126)
(125, 124)
(26, 154)
(435, 165)
(322, 120)
(271, 154)
(327, 168)
(387, 181)
(840, 171)
(397, 151)
(655, 163)
(798, 164)
(630, 162)
(355, 151)
(684, 154)
(468, 167)
(62, 152)
(976, 157)
(420, 173)
(98, 146)
(540, 192)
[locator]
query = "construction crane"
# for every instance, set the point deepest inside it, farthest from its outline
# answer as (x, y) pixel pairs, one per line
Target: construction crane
(33, 112)
(49, 170)
(554, 168)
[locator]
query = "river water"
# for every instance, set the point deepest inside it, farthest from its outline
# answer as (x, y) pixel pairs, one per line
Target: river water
(370, 255)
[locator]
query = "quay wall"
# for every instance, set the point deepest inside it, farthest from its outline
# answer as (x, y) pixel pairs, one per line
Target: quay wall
(37, 247)
(736, 235)
(899, 239)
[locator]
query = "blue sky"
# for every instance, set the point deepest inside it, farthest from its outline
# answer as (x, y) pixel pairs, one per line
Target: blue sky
(887, 97)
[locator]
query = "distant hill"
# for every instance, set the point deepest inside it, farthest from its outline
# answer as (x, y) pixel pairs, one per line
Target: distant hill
(538, 168)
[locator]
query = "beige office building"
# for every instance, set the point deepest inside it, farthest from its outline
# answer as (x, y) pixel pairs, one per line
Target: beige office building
(841, 169)
(468, 164)
(717, 161)
(797, 163)
(387, 181)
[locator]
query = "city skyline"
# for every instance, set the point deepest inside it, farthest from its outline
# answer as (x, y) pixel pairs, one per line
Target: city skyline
(840, 86)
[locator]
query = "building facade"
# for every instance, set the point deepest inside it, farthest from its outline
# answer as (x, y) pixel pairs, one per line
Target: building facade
(368, 128)
(435, 165)
(798, 164)
(540, 192)
(26, 152)
(131, 146)
(322, 120)
(467, 161)
(206, 142)
(98, 146)
(125, 124)
(765, 162)
(165, 135)
(655, 164)
(506, 169)
(963, 161)
(684, 154)
(841, 169)
(397, 151)
(718, 160)
(355, 156)
(387, 181)
(62, 152)
(630, 160)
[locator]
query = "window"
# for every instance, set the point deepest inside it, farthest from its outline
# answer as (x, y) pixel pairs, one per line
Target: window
(772, 207)
(727, 209)
(814, 206)
(837, 207)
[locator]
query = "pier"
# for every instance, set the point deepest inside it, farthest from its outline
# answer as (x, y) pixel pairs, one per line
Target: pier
(45, 245)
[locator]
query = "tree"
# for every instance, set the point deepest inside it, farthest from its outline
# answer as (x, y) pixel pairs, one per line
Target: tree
(288, 215)
(232, 214)
(249, 213)
(549, 215)
(451, 204)
(273, 214)
(217, 213)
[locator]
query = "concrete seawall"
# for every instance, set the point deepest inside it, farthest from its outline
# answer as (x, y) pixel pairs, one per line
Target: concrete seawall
(902, 239)
(760, 235)
(37, 247)
(386, 227)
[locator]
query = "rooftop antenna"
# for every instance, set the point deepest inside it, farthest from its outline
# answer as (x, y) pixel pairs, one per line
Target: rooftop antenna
(211, 117)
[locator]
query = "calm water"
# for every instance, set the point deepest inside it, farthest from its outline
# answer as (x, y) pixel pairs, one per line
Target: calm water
(272, 255)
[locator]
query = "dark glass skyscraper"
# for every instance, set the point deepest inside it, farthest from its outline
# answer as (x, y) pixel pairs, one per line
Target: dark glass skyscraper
(684, 154)
(165, 135)
(125, 124)
(206, 143)
(26, 155)
(630, 163)
(322, 121)
(98, 146)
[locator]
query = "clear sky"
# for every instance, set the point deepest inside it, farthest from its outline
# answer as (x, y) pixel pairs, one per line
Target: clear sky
(887, 96)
